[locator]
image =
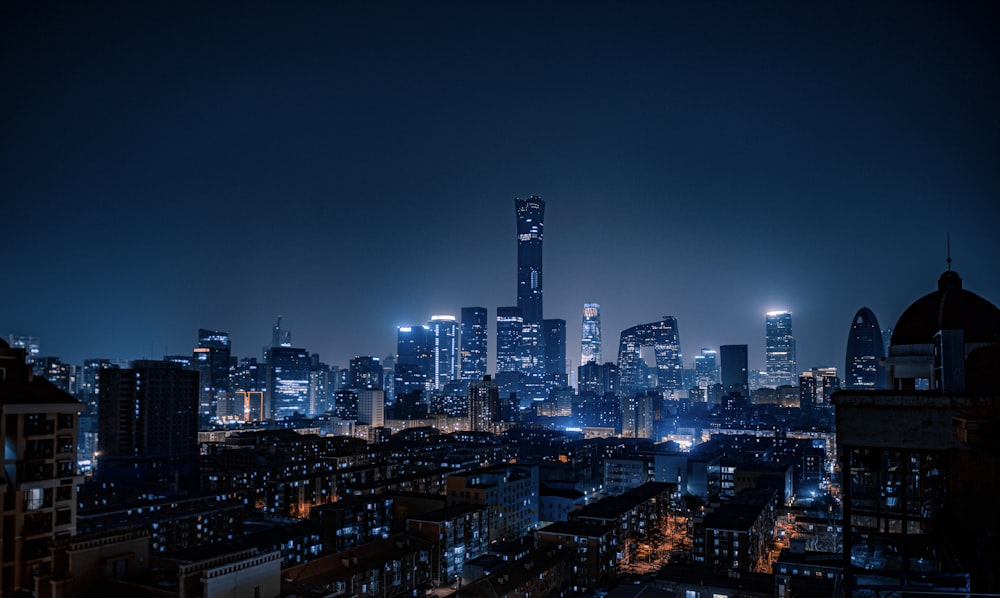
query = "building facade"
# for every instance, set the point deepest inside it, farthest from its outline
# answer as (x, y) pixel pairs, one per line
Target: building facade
(780, 349)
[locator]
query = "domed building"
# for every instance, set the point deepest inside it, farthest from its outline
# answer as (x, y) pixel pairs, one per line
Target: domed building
(920, 462)
(936, 334)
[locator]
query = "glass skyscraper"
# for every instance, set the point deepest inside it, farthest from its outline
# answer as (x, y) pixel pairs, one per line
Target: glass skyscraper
(706, 369)
(780, 349)
(590, 334)
(473, 342)
(554, 333)
(288, 381)
(664, 338)
(414, 359)
(510, 325)
(530, 227)
(444, 332)
(211, 359)
(865, 350)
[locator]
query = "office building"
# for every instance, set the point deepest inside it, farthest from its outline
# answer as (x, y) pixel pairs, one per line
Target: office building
(288, 381)
(148, 425)
(554, 334)
(38, 429)
(734, 370)
(510, 324)
(865, 350)
(664, 339)
(590, 334)
(706, 368)
(484, 405)
(780, 349)
(921, 468)
(530, 214)
(371, 408)
(444, 333)
(365, 372)
(475, 328)
(414, 360)
(211, 361)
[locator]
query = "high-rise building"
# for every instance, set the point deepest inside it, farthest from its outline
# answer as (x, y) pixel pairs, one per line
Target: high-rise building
(590, 334)
(510, 324)
(371, 408)
(414, 359)
(211, 360)
(444, 332)
(484, 405)
(780, 349)
(365, 372)
(475, 327)
(862, 368)
(530, 214)
(706, 369)
(288, 381)
(148, 424)
(734, 370)
(554, 334)
(30, 344)
(38, 429)
(816, 386)
(664, 338)
(279, 336)
(598, 379)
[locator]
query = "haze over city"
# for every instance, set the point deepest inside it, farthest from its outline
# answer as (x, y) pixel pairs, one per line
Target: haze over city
(352, 167)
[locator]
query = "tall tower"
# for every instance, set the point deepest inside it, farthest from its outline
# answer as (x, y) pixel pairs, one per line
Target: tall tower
(510, 326)
(211, 360)
(780, 349)
(288, 381)
(473, 342)
(590, 334)
(414, 360)
(444, 330)
(530, 226)
(484, 404)
(734, 370)
(706, 368)
(862, 370)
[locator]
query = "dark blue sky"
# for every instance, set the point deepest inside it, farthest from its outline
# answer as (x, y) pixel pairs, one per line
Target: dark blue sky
(352, 166)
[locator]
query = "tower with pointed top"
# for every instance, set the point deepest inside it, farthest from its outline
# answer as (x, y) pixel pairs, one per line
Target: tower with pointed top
(530, 231)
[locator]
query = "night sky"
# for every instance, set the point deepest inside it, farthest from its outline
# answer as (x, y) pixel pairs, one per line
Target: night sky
(352, 166)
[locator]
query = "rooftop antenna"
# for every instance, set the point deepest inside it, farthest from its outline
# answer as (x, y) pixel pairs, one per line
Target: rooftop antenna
(949, 252)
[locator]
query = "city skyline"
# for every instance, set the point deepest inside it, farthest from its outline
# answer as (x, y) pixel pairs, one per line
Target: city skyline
(151, 191)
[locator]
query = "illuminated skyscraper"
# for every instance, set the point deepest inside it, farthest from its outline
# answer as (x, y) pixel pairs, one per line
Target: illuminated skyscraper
(484, 405)
(211, 360)
(530, 228)
(780, 349)
(474, 347)
(664, 338)
(862, 370)
(414, 359)
(590, 334)
(510, 325)
(444, 333)
(365, 372)
(706, 369)
(288, 381)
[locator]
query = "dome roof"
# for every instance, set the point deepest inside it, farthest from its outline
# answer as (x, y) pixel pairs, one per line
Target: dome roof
(949, 308)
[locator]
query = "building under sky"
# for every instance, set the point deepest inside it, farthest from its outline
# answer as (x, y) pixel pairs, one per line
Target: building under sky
(780, 349)
(590, 334)
(862, 367)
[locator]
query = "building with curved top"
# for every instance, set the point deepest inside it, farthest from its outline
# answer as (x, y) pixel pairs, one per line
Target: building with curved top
(863, 365)
(664, 338)
(920, 461)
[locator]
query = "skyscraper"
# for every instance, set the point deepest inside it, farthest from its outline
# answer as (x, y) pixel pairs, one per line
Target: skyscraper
(780, 349)
(211, 360)
(414, 359)
(484, 405)
(365, 372)
(288, 381)
(444, 331)
(706, 369)
(530, 224)
(734, 370)
(554, 333)
(664, 338)
(862, 367)
(510, 325)
(590, 334)
(475, 328)
(530, 214)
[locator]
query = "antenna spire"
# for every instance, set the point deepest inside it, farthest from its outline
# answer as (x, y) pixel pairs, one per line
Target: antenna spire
(949, 252)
